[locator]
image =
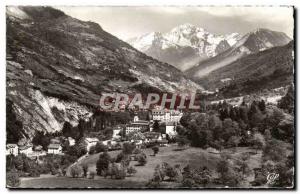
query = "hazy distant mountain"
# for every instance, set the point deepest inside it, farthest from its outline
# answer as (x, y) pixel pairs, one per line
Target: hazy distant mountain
(184, 46)
(58, 67)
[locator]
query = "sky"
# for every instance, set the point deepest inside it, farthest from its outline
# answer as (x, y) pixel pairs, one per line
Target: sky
(129, 22)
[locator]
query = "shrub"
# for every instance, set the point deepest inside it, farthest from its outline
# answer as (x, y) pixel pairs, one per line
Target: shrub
(202, 176)
(75, 171)
(53, 171)
(131, 170)
(188, 183)
(273, 150)
(64, 171)
(152, 184)
(85, 168)
(128, 148)
(155, 150)
(92, 150)
(156, 180)
(77, 150)
(102, 163)
(170, 171)
(181, 141)
(34, 172)
(142, 159)
(137, 151)
(60, 173)
(91, 175)
(222, 167)
(120, 157)
(100, 147)
(126, 161)
(120, 174)
(12, 179)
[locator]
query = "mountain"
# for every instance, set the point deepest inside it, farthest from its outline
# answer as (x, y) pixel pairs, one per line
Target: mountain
(57, 67)
(253, 42)
(184, 45)
(268, 69)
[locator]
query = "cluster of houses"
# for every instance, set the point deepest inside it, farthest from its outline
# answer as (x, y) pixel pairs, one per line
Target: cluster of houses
(169, 117)
(141, 132)
(34, 151)
(53, 148)
(137, 126)
(27, 149)
(166, 115)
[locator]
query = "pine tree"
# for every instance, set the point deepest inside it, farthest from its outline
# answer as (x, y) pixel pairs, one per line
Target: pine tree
(262, 106)
(287, 102)
(255, 116)
(156, 126)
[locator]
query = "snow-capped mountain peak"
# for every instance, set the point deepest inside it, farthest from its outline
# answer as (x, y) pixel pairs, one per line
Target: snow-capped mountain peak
(252, 42)
(184, 44)
(186, 29)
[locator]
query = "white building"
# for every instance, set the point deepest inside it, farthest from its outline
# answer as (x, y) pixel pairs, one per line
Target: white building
(109, 143)
(38, 148)
(35, 154)
(90, 142)
(137, 126)
(54, 149)
(55, 141)
(26, 149)
(166, 115)
(71, 141)
(116, 132)
(171, 129)
(12, 149)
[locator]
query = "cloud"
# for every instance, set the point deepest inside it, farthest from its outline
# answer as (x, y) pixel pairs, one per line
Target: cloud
(126, 22)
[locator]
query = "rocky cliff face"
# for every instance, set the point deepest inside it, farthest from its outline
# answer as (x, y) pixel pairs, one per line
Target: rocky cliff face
(58, 67)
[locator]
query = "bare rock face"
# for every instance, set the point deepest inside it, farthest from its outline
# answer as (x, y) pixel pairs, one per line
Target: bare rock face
(58, 67)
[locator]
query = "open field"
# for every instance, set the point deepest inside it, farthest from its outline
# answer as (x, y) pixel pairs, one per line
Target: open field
(65, 182)
(195, 157)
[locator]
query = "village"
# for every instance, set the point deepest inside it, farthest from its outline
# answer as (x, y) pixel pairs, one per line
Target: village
(114, 98)
(139, 132)
(141, 147)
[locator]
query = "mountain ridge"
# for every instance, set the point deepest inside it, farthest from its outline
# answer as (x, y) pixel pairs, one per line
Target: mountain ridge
(268, 69)
(184, 45)
(58, 67)
(253, 42)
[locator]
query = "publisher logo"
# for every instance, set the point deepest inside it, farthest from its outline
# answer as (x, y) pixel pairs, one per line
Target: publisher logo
(271, 178)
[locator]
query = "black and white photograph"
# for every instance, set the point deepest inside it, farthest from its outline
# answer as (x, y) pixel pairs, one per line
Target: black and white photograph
(150, 97)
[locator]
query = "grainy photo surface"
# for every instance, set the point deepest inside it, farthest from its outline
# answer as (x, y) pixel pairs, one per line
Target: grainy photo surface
(150, 97)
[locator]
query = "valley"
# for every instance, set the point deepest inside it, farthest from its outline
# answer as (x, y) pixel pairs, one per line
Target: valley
(61, 131)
